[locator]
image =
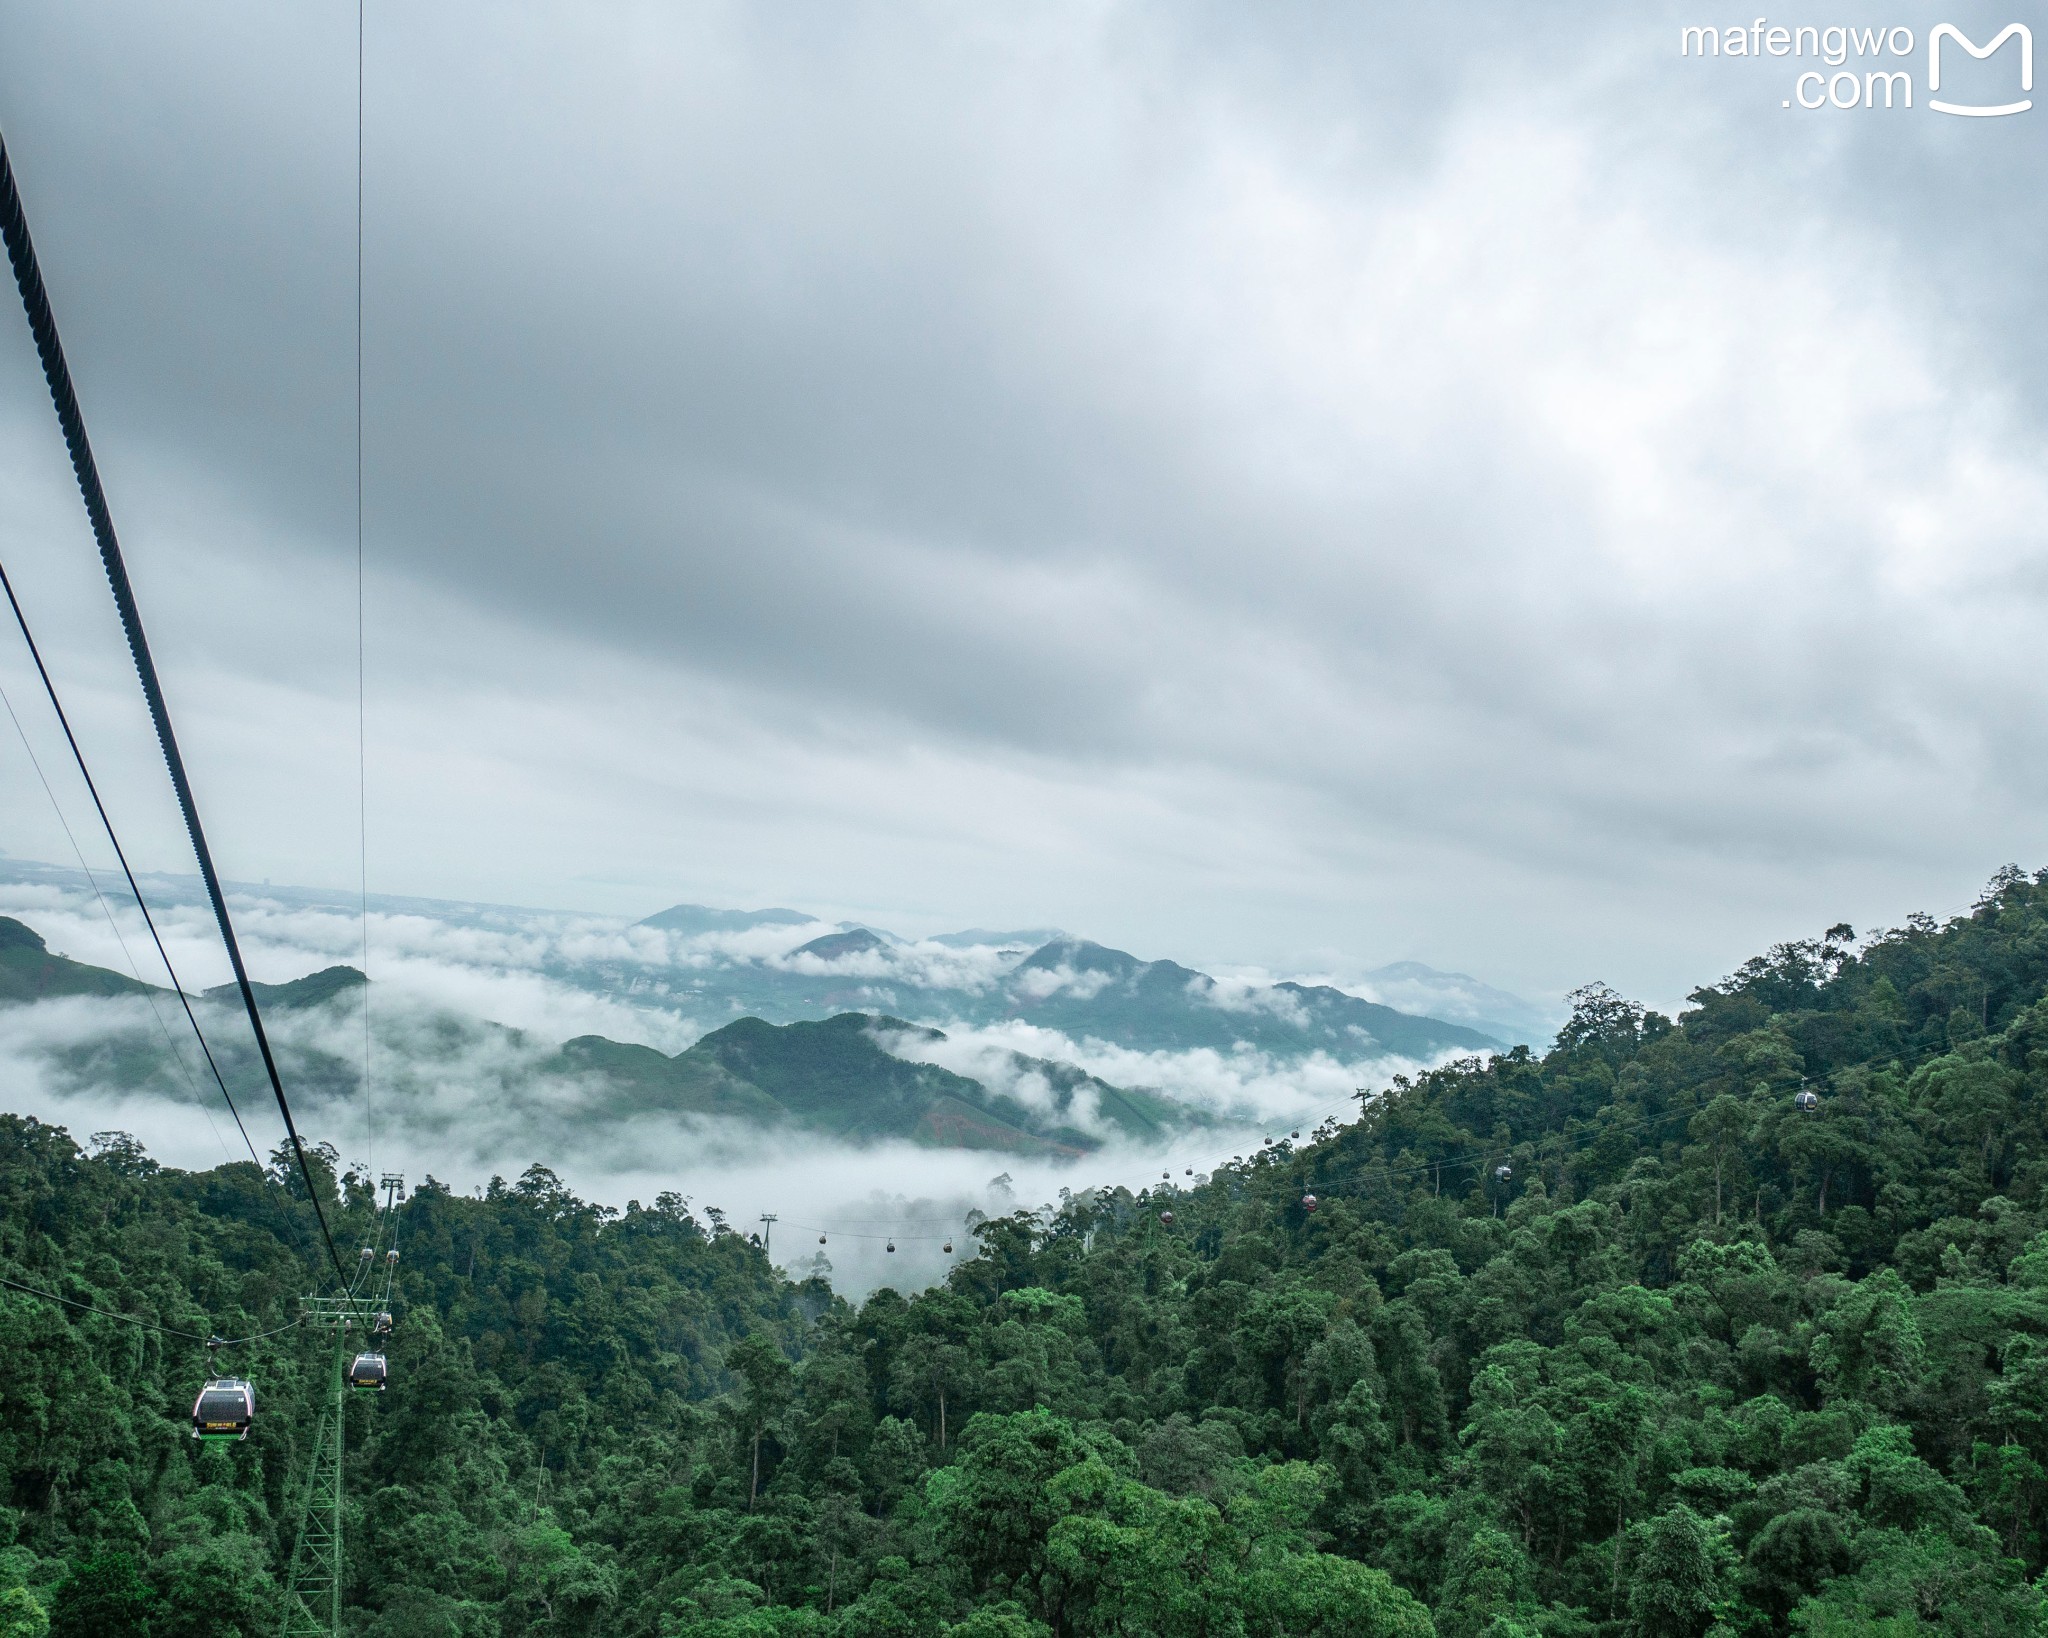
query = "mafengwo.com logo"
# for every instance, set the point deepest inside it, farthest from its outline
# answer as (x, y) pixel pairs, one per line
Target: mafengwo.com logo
(1840, 66)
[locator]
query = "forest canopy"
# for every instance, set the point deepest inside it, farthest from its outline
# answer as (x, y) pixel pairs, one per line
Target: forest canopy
(1733, 1323)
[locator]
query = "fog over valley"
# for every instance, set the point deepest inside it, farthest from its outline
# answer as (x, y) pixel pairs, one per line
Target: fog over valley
(851, 1081)
(1107, 820)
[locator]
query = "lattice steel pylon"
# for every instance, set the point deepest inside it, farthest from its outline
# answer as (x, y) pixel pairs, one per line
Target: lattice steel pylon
(312, 1594)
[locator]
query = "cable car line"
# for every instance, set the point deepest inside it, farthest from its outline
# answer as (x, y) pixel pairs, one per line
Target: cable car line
(134, 888)
(226, 1406)
(1575, 1141)
(858, 1234)
(1585, 1137)
(903, 1226)
(113, 925)
(1638, 1123)
(362, 739)
(151, 1325)
(120, 853)
(63, 395)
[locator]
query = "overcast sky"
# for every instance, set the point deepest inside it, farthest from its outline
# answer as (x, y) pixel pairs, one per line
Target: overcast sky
(1301, 485)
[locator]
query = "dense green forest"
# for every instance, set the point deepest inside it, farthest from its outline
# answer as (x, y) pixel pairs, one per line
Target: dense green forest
(1616, 1339)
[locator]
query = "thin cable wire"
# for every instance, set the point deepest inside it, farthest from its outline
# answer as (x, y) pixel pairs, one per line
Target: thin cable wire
(390, 1254)
(1555, 1143)
(362, 740)
(107, 910)
(134, 887)
(120, 853)
(149, 1325)
(42, 323)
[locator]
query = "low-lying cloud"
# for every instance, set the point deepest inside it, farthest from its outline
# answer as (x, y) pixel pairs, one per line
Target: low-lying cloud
(1244, 1085)
(469, 1116)
(466, 1015)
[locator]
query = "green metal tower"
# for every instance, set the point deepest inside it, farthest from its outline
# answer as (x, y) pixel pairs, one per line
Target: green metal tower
(312, 1591)
(312, 1596)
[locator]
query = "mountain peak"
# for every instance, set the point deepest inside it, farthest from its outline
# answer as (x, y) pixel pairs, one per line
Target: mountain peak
(309, 991)
(15, 935)
(703, 918)
(837, 946)
(1083, 956)
(969, 938)
(31, 971)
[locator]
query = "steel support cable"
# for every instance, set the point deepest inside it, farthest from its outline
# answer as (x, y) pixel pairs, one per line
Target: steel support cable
(42, 324)
(141, 904)
(107, 824)
(390, 1257)
(366, 1271)
(134, 888)
(1586, 1134)
(176, 1057)
(362, 737)
(1638, 1123)
(1558, 1143)
(147, 1325)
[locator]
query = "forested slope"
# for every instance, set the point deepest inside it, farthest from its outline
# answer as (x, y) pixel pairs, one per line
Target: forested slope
(1697, 1360)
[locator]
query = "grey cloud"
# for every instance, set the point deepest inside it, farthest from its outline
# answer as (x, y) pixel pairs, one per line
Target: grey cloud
(1462, 483)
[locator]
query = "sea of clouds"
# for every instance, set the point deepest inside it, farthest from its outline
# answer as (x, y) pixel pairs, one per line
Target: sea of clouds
(468, 1004)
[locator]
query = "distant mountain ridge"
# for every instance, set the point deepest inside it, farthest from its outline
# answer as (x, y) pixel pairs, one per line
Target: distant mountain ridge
(702, 918)
(1085, 990)
(838, 946)
(310, 991)
(709, 965)
(1462, 999)
(855, 1076)
(31, 971)
(839, 1076)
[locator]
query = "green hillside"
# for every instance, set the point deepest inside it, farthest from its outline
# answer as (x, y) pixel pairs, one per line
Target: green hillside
(643, 1081)
(314, 990)
(834, 1077)
(1699, 1363)
(29, 972)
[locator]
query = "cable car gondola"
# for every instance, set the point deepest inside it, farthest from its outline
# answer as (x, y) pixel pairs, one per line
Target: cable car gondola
(1504, 1172)
(1166, 1219)
(367, 1373)
(224, 1409)
(1308, 1202)
(891, 1246)
(1807, 1103)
